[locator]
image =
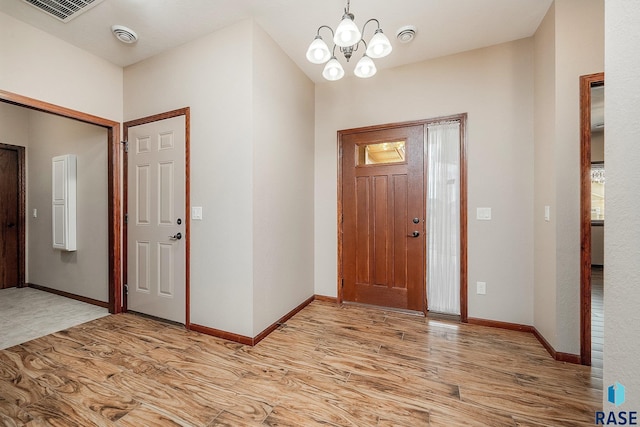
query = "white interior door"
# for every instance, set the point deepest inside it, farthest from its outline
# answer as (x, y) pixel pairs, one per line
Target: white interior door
(156, 219)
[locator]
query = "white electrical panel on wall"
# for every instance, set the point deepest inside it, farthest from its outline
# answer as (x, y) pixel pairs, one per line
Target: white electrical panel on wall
(63, 196)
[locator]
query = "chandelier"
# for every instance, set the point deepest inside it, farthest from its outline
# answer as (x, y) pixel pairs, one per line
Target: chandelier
(348, 39)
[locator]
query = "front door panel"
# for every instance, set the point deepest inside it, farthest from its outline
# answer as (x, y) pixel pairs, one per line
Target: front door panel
(156, 227)
(383, 217)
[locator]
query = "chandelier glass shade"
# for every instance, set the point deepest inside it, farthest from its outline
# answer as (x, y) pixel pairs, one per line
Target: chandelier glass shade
(318, 52)
(365, 68)
(347, 33)
(379, 46)
(348, 38)
(333, 70)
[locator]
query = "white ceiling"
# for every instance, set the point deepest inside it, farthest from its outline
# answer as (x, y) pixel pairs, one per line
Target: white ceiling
(443, 26)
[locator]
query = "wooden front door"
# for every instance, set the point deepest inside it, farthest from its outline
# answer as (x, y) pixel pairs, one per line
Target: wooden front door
(383, 224)
(11, 221)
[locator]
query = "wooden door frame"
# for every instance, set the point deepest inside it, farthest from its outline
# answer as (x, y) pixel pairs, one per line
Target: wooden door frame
(186, 112)
(462, 119)
(22, 197)
(586, 83)
(113, 182)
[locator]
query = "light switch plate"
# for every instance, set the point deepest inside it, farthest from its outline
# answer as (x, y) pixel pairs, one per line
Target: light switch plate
(196, 213)
(481, 288)
(483, 214)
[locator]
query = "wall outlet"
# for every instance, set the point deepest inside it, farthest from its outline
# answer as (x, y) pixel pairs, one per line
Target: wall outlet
(481, 288)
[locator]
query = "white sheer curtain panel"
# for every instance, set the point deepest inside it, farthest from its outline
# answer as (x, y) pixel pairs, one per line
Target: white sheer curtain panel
(443, 218)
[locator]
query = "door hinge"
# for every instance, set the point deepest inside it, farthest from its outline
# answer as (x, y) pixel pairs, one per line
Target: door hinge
(126, 289)
(342, 283)
(126, 218)
(126, 146)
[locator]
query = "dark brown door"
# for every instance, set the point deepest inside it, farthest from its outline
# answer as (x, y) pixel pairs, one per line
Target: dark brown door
(9, 218)
(383, 217)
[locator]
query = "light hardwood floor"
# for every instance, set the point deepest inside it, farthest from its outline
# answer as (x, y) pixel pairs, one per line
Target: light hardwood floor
(328, 365)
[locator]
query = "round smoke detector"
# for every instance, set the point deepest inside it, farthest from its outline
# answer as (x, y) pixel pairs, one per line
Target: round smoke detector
(124, 34)
(406, 34)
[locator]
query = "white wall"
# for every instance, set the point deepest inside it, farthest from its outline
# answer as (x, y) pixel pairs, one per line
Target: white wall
(83, 272)
(213, 76)
(283, 126)
(42, 67)
(579, 51)
(569, 44)
(251, 171)
(545, 190)
(622, 133)
(14, 125)
(495, 87)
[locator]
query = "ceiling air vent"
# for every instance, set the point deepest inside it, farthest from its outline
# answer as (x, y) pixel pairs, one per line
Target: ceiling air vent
(406, 34)
(63, 10)
(124, 34)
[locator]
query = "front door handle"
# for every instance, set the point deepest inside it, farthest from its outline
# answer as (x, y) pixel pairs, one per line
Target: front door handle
(414, 234)
(177, 236)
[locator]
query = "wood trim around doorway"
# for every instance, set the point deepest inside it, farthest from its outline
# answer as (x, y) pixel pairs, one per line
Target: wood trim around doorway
(113, 178)
(586, 83)
(186, 112)
(462, 118)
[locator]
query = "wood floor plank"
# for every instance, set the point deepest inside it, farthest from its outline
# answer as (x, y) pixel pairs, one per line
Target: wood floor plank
(508, 399)
(12, 415)
(329, 365)
(28, 363)
(126, 360)
(180, 402)
(19, 389)
(85, 392)
(150, 417)
(58, 412)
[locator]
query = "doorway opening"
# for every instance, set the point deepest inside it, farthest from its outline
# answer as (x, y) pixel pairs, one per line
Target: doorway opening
(592, 219)
(383, 226)
(113, 180)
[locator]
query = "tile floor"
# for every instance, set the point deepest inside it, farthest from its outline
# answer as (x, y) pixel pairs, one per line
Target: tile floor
(27, 313)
